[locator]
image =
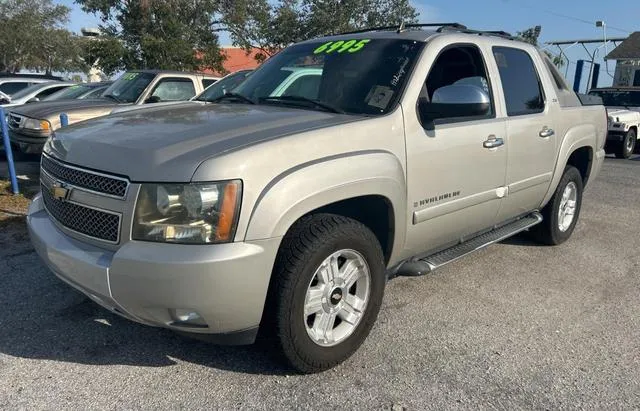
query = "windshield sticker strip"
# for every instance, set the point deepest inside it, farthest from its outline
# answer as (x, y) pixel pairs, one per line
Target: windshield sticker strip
(130, 76)
(341, 46)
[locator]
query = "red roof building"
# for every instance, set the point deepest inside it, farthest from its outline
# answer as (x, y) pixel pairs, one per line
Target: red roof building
(237, 59)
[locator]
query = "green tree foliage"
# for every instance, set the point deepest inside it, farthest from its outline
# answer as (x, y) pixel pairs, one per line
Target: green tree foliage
(531, 36)
(269, 26)
(32, 36)
(168, 34)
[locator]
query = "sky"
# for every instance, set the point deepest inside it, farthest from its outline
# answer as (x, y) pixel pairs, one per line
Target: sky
(560, 19)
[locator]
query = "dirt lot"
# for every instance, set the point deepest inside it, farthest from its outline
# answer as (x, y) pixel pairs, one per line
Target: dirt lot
(515, 326)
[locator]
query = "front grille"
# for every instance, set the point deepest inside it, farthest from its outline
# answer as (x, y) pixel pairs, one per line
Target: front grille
(84, 220)
(85, 179)
(14, 121)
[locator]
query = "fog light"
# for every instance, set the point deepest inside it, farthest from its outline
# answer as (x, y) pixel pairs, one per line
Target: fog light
(185, 317)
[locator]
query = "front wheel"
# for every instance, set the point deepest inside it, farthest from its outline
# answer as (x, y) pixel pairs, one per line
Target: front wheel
(561, 214)
(327, 290)
(628, 145)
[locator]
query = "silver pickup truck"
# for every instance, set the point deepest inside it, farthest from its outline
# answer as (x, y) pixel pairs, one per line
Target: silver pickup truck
(30, 125)
(288, 212)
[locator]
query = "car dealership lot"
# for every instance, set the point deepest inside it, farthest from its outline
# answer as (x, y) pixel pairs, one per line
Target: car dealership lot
(515, 325)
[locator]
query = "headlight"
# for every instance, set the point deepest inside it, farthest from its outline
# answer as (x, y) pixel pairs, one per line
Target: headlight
(33, 124)
(197, 213)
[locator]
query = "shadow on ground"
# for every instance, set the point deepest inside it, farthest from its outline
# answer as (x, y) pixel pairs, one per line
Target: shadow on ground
(43, 318)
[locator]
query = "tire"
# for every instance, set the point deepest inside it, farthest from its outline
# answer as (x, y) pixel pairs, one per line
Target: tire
(553, 230)
(308, 244)
(627, 146)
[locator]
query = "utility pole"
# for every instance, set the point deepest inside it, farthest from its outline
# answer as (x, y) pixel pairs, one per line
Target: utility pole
(603, 24)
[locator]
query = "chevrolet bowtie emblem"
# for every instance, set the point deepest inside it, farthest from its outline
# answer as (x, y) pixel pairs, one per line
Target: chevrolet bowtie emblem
(60, 192)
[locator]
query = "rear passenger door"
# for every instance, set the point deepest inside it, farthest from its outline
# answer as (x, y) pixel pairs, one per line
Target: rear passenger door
(531, 139)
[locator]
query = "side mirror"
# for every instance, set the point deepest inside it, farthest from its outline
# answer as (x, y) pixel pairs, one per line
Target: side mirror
(33, 100)
(153, 99)
(457, 100)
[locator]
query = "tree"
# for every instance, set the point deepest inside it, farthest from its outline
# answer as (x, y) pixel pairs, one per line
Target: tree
(271, 26)
(169, 34)
(531, 36)
(32, 36)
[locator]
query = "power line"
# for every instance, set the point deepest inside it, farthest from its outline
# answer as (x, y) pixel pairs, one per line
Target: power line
(555, 13)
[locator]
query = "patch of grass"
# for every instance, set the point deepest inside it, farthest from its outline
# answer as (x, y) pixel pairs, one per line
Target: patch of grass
(11, 205)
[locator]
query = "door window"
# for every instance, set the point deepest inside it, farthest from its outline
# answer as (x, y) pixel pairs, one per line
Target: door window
(459, 65)
(520, 81)
(174, 89)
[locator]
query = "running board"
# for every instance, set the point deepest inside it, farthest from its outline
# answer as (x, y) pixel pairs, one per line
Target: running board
(422, 266)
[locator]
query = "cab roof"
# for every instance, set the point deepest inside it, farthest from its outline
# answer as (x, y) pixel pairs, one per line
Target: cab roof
(416, 32)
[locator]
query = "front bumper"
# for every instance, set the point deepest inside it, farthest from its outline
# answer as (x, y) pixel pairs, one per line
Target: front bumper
(28, 142)
(225, 284)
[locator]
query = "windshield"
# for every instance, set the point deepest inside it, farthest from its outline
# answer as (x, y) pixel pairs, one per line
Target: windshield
(352, 76)
(219, 88)
(623, 98)
(129, 87)
(68, 93)
(25, 92)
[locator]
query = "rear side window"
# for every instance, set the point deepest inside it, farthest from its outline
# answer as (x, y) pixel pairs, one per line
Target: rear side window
(520, 82)
(206, 82)
(304, 86)
(49, 91)
(13, 87)
(557, 77)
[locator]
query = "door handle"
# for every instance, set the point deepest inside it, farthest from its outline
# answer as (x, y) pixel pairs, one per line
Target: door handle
(546, 132)
(493, 142)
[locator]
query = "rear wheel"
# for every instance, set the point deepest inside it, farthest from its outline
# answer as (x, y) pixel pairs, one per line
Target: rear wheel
(326, 292)
(628, 145)
(563, 210)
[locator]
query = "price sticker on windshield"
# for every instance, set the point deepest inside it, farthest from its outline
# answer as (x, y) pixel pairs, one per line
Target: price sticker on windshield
(130, 76)
(341, 46)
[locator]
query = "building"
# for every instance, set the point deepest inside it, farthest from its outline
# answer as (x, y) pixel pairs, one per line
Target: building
(627, 57)
(238, 59)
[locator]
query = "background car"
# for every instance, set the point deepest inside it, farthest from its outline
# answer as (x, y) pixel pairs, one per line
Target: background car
(36, 93)
(224, 85)
(80, 91)
(11, 83)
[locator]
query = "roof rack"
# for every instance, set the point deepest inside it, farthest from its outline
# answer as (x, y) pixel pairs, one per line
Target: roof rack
(402, 26)
(498, 33)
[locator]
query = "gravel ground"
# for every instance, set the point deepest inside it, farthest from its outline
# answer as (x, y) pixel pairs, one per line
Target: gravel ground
(515, 326)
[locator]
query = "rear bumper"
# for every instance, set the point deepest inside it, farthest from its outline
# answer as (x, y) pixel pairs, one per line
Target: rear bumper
(225, 284)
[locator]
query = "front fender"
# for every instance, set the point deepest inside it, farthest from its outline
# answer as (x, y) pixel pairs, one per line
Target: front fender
(584, 135)
(309, 186)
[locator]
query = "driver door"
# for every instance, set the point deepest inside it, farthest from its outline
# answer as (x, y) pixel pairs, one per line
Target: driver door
(456, 165)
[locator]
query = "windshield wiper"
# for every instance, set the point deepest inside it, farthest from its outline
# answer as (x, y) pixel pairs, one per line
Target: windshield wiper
(111, 96)
(232, 95)
(300, 99)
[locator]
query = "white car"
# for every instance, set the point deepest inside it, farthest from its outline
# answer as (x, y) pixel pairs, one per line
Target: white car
(12, 85)
(623, 112)
(36, 92)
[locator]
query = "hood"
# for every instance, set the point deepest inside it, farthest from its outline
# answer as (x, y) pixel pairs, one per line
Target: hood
(617, 110)
(168, 143)
(624, 114)
(77, 110)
